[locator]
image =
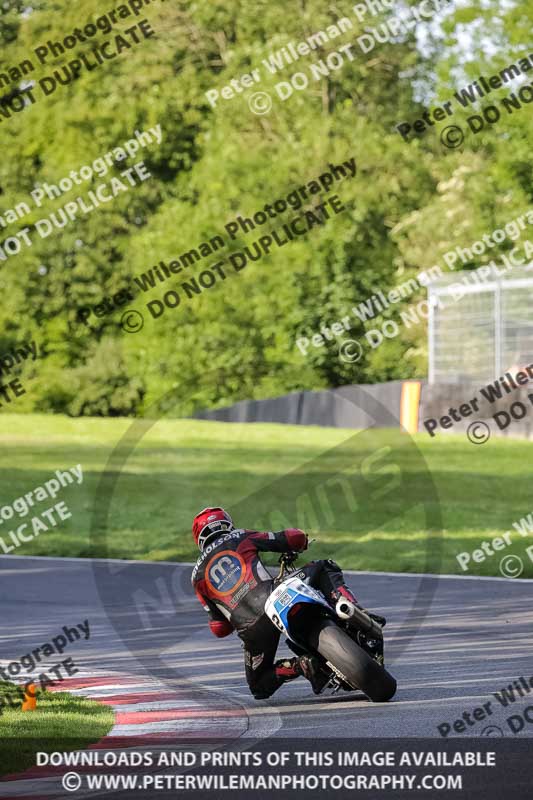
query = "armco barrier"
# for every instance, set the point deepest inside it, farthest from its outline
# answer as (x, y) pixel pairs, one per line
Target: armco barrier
(345, 407)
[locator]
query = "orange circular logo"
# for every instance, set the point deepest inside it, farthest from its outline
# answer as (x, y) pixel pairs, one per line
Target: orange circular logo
(225, 572)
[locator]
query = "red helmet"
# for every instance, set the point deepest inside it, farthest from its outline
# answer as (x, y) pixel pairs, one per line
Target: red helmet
(210, 522)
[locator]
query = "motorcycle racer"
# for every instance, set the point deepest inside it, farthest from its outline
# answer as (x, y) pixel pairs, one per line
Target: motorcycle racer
(232, 585)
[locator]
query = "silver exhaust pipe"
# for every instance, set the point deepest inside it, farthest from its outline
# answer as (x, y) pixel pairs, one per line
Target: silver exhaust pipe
(348, 611)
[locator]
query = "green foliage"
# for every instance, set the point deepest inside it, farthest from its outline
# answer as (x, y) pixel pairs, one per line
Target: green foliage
(102, 386)
(408, 204)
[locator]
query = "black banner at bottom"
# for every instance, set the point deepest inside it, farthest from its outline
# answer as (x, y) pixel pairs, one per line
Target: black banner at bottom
(203, 769)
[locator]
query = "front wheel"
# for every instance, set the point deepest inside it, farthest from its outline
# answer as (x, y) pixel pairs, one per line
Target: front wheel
(357, 668)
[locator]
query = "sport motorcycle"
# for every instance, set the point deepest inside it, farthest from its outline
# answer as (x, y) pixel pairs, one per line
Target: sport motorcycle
(347, 639)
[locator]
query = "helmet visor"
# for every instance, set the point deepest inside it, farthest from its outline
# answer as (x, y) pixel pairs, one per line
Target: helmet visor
(212, 529)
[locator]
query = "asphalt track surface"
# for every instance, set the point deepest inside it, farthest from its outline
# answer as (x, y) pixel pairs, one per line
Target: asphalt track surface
(475, 637)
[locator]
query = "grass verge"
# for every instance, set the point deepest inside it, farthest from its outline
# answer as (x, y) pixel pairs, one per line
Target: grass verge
(61, 722)
(275, 475)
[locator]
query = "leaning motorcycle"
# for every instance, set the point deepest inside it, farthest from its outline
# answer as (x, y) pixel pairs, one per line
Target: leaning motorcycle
(346, 639)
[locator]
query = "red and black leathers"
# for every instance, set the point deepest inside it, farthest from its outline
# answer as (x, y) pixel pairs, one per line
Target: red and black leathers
(231, 582)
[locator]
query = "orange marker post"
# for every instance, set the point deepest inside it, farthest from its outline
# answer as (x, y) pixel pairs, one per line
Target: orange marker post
(30, 699)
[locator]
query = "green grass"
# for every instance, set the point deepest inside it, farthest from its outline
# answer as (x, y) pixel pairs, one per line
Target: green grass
(61, 722)
(375, 500)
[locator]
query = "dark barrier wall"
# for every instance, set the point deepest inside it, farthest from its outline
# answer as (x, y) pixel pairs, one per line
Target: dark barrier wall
(346, 407)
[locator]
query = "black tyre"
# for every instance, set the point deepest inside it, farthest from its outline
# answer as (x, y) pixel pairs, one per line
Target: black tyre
(357, 668)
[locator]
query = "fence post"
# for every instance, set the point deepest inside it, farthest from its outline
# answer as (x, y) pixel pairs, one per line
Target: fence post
(498, 329)
(431, 334)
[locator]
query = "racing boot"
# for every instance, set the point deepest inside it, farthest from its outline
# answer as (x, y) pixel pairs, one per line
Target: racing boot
(312, 669)
(343, 591)
(287, 669)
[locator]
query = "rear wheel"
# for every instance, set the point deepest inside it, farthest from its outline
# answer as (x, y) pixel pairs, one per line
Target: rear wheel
(357, 668)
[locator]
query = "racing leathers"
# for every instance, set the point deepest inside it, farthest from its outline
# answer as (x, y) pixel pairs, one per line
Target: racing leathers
(232, 585)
